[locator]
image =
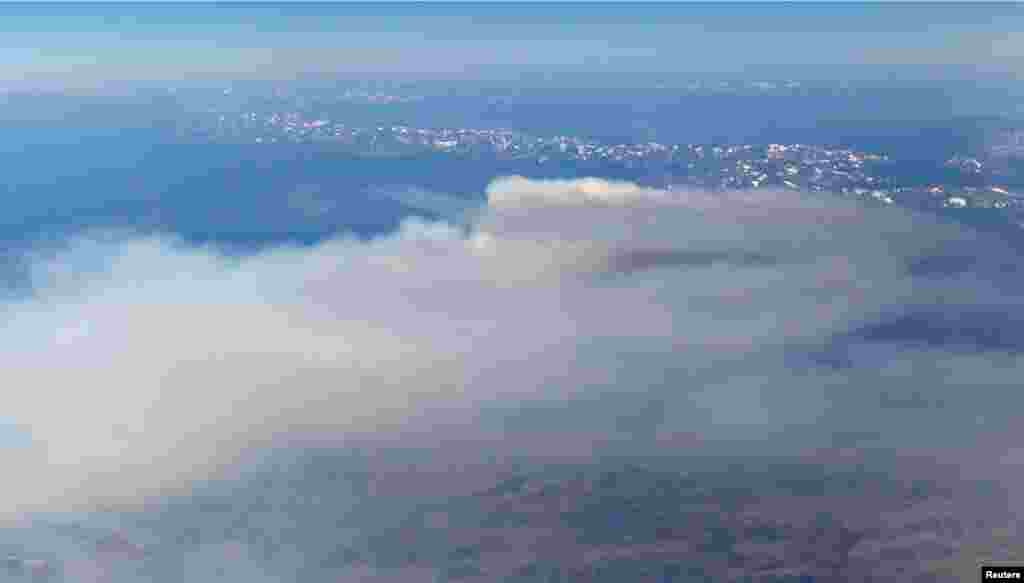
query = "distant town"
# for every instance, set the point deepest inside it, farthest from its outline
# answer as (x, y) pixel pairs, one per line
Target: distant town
(967, 182)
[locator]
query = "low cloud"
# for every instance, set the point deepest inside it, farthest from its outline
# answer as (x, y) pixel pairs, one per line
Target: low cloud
(605, 316)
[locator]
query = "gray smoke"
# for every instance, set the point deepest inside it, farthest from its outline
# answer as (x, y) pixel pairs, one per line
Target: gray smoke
(567, 321)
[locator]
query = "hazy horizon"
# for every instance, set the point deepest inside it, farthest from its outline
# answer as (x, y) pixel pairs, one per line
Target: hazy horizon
(84, 44)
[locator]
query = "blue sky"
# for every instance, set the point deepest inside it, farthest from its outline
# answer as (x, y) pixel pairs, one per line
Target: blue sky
(82, 43)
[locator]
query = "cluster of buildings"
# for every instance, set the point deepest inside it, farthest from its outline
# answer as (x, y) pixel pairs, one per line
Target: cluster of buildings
(965, 164)
(794, 166)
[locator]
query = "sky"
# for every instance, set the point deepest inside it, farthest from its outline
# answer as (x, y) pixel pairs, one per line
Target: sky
(84, 43)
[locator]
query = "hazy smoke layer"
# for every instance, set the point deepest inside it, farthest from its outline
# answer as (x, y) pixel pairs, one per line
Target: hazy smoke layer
(568, 319)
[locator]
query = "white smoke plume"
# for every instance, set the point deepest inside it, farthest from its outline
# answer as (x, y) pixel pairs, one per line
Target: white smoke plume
(139, 367)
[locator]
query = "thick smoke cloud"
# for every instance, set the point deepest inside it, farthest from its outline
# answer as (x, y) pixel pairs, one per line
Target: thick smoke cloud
(561, 320)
